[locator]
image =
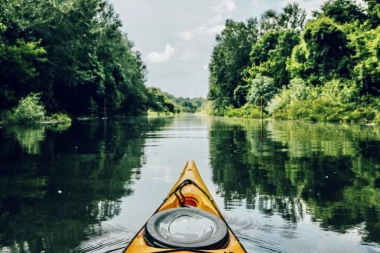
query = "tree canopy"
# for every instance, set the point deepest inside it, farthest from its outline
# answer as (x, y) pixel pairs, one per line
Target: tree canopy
(339, 46)
(73, 53)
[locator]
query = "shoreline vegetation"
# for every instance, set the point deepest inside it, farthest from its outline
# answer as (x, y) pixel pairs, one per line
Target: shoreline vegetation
(71, 60)
(30, 110)
(326, 68)
(322, 68)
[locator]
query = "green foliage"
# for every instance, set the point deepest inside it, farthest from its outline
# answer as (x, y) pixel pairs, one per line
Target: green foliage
(377, 118)
(189, 105)
(342, 11)
(268, 45)
(18, 59)
(162, 102)
(230, 57)
(74, 53)
(30, 110)
(325, 110)
(327, 53)
(159, 102)
(335, 101)
(297, 90)
(373, 11)
(240, 94)
(311, 110)
(58, 118)
(247, 111)
(366, 72)
(333, 60)
(261, 87)
(342, 91)
(291, 17)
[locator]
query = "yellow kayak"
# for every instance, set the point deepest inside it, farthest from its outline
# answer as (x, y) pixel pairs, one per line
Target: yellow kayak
(187, 221)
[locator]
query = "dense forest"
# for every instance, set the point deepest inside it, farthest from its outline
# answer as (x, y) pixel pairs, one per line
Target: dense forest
(72, 57)
(71, 52)
(326, 68)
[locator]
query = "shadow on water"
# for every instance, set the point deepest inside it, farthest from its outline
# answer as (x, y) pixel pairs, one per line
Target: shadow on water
(291, 170)
(58, 184)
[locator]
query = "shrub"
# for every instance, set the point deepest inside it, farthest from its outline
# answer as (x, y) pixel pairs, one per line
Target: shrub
(247, 111)
(279, 101)
(343, 91)
(261, 87)
(296, 90)
(325, 110)
(58, 118)
(28, 111)
(377, 118)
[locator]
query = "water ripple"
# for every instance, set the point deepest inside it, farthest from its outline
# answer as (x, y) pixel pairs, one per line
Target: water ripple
(107, 237)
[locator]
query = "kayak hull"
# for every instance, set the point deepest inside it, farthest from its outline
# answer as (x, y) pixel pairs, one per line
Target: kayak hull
(196, 195)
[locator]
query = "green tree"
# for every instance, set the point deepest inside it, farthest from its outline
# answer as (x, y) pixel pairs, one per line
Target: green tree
(342, 11)
(324, 54)
(18, 59)
(280, 34)
(89, 61)
(229, 58)
(373, 10)
(159, 101)
(366, 45)
(261, 87)
(270, 54)
(291, 17)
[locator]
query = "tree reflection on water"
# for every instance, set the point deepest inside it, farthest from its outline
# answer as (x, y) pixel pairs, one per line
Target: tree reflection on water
(57, 184)
(333, 169)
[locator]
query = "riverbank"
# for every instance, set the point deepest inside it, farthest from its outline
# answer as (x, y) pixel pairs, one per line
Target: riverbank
(309, 110)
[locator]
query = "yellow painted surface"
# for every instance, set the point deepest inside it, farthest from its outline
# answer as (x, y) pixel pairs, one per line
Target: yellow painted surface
(194, 197)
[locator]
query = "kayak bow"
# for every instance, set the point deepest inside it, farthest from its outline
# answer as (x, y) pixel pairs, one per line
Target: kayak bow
(187, 221)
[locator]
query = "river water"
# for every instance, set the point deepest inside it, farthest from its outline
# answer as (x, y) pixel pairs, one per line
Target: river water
(282, 186)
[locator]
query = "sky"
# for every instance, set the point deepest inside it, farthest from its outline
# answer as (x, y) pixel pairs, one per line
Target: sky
(176, 37)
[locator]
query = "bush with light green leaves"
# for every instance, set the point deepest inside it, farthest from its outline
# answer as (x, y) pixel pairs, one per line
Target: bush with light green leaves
(29, 110)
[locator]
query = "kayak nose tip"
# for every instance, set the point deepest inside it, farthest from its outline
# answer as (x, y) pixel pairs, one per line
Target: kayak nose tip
(190, 165)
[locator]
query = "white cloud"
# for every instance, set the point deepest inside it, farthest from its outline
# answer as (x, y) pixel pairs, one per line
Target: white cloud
(225, 6)
(205, 67)
(161, 57)
(201, 31)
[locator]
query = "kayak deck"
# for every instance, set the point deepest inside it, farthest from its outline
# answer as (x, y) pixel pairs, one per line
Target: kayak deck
(189, 190)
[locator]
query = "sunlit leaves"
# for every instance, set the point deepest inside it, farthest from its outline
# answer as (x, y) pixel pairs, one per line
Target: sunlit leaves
(261, 87)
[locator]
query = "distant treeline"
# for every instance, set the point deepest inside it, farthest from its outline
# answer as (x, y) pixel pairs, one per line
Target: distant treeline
(73, 54)
(160, 101)
(326, 68)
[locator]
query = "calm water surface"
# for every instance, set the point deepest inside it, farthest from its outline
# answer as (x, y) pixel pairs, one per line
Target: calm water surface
(282, 186)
